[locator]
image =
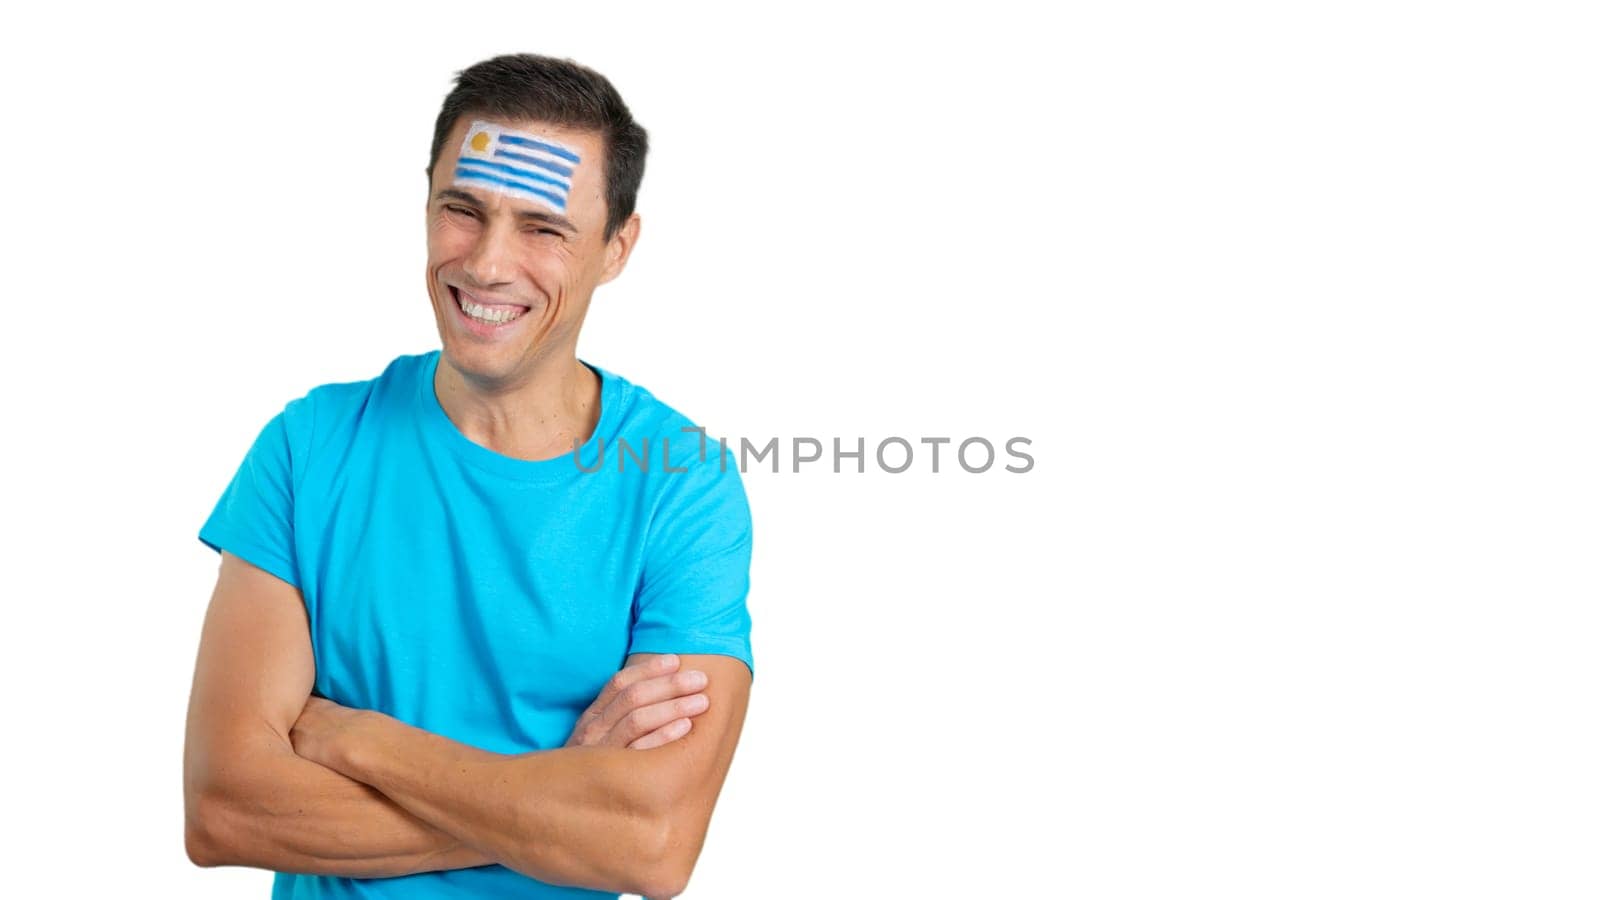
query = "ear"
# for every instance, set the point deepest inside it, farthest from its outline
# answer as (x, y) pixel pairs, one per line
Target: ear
(619, 248)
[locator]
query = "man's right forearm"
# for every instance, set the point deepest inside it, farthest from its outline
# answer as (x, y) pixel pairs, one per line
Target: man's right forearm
(271, 809)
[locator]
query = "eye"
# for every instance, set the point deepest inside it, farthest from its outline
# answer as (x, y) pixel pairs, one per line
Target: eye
(460, 210)
(545, 231)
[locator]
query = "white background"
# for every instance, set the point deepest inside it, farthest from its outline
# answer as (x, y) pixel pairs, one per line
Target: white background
(1296, 303)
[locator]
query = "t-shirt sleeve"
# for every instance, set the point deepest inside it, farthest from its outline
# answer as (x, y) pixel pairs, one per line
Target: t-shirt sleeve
(254, 519)
(696, 574)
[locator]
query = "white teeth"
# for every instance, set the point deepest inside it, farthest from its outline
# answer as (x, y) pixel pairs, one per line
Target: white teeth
(486, 315)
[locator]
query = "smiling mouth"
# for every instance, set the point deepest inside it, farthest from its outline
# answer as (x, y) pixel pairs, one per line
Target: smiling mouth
(486, 313)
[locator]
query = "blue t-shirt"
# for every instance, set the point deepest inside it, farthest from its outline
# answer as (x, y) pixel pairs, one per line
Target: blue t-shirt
(479, 596)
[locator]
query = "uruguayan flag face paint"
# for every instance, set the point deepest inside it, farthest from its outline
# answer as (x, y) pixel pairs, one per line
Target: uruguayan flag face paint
(518, 164)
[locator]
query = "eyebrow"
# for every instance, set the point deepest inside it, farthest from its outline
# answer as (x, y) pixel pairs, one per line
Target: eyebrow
(524, 214)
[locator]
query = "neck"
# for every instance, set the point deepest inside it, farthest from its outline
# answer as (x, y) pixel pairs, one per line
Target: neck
(541, 416)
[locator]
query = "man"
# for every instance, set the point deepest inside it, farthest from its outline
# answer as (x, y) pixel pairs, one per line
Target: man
(479, 628)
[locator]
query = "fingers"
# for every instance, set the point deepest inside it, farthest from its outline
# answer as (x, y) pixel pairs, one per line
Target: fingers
(631, 675)
(635, 707)
(644, 705)
(666, 734)
(643, 721)
(587, 730)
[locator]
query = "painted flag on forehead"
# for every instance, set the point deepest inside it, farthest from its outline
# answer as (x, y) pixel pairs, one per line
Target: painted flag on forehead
(516, 163)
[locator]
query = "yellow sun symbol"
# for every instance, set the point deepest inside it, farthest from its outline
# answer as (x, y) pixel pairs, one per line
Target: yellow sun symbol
(480, 141)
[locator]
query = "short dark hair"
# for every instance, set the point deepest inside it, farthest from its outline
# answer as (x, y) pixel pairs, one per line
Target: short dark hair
(560, 92)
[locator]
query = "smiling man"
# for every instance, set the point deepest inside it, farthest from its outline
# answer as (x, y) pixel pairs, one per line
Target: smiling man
(480, 624)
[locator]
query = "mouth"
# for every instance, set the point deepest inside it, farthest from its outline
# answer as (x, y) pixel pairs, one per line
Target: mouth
(483, 314)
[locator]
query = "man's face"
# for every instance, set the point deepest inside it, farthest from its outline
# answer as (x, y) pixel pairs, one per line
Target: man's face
(496, 254)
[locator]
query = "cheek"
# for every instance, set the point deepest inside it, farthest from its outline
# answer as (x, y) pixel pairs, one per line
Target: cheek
(550, 265)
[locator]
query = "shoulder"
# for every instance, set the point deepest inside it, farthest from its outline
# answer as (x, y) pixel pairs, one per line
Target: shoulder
(333, 407)
(693, 476)
(675, 440)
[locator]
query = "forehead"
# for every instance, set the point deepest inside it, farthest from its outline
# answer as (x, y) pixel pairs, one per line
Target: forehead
(524, 164)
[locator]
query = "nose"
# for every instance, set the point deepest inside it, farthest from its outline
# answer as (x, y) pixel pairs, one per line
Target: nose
(490, 262)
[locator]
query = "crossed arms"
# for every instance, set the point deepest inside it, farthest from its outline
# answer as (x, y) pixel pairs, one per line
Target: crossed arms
(277, 779)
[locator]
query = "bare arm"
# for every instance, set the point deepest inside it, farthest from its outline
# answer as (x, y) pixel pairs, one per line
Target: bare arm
(249, 799)
(596, 817)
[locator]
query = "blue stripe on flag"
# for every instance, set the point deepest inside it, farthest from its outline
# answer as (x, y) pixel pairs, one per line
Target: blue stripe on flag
(557, 168)
(560, 203)
(551, 149)
(513, 170)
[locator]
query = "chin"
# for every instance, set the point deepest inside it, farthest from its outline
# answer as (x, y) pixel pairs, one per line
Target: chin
(480, 363)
